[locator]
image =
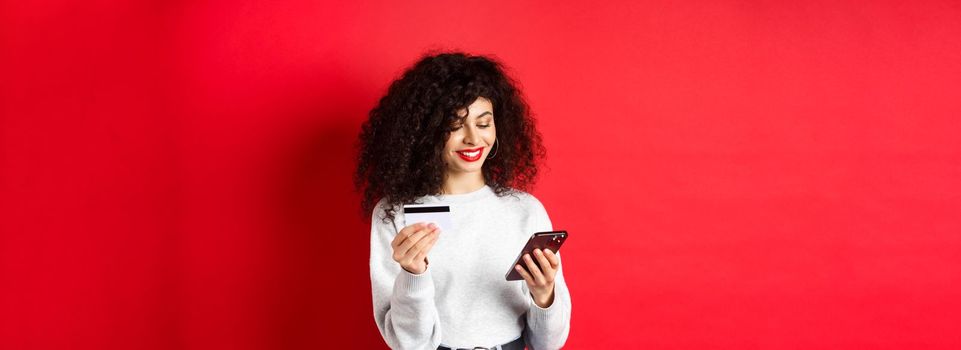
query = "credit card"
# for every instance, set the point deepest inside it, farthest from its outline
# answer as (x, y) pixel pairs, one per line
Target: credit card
(437, 214)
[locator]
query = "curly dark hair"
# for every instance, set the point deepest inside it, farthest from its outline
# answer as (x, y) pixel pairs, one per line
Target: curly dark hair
(401, 144)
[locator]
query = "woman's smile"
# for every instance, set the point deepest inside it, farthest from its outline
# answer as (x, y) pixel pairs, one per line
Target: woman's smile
(471, 155)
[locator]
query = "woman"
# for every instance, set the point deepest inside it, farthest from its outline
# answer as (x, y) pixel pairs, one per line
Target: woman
(432, 140)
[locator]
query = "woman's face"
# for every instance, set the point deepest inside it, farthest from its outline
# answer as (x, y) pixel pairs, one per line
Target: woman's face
(471, 138)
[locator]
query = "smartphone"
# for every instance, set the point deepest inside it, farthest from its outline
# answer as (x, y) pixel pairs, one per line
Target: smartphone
(541, 240)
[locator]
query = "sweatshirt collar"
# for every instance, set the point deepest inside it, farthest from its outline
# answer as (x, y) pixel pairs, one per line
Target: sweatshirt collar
(481, 193)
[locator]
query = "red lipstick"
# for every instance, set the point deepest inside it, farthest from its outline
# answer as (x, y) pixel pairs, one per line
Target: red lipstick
(471, 155)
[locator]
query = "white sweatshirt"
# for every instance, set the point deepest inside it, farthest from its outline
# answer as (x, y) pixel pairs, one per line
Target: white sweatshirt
(463, 299)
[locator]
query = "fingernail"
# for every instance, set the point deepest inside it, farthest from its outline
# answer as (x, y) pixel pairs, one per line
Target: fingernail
(548, 251)
(432, 225)
(517, 267)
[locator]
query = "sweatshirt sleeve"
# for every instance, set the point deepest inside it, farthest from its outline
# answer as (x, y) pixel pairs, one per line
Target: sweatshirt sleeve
(548, 328)
(403, 303)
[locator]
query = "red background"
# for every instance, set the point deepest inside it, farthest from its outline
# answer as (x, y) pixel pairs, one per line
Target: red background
(734, 174)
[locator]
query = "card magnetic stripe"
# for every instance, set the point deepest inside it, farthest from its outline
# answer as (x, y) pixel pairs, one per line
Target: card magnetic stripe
(414, 210)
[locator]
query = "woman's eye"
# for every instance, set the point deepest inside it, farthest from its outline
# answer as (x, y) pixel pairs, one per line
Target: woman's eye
(457, 127)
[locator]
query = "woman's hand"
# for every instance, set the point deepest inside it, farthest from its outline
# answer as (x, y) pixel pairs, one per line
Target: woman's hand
(540, 280)
(412, 244)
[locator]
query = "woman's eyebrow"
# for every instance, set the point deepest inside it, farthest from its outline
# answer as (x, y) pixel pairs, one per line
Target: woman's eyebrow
(460, 119)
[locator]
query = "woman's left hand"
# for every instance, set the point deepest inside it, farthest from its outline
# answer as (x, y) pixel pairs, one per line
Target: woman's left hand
(540, 279)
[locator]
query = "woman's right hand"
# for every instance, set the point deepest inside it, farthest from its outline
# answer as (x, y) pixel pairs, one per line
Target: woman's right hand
(412, 244)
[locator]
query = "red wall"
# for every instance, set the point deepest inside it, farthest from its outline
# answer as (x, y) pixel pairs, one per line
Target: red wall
(733, 174)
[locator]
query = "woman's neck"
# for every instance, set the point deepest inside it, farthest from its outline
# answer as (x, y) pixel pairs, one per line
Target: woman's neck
(460, 183)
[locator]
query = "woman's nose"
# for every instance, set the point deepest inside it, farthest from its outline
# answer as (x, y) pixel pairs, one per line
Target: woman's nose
(470, 136)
